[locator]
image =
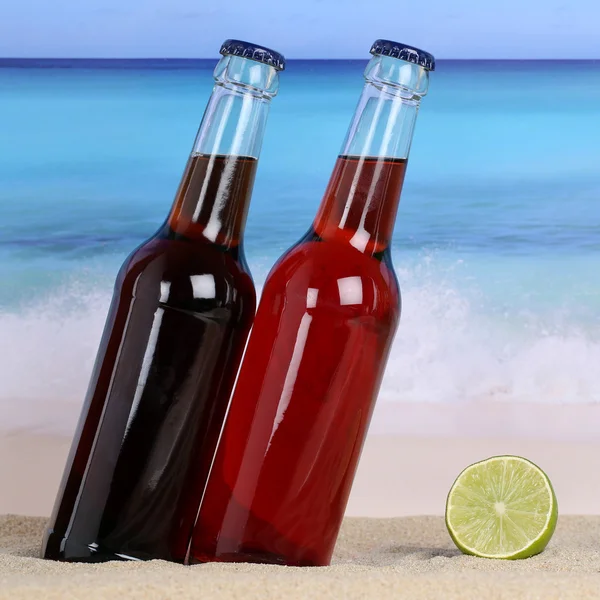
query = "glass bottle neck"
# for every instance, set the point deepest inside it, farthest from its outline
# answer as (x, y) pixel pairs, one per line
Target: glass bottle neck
(214, 195)
(361, 201)
(382, 125)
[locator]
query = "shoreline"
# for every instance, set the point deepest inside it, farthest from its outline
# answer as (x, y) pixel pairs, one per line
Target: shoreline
(481, 419)
(532, 420)
(406, 472)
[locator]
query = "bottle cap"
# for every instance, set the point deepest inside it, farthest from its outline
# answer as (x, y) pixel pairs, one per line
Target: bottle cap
(253, 52)
(404, 52)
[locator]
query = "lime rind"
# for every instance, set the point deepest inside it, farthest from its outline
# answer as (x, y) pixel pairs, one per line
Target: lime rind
(485, 490)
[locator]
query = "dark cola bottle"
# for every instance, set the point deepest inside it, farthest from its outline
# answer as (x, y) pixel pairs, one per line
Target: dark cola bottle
(183, 305)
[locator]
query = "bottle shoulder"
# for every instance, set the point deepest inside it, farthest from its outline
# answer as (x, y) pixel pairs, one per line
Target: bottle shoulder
(336, 276)
(186, 274)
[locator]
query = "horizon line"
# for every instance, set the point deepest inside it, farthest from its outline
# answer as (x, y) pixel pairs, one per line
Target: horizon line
(139, 58)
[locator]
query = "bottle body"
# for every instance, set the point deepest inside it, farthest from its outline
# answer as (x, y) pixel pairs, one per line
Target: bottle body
(175, 333)
(285, 464)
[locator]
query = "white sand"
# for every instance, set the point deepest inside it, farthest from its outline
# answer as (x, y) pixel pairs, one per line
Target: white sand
(403, 558)
(409, 557)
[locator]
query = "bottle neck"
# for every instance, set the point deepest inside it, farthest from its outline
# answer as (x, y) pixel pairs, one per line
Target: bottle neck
(361, 200)
(214, 195)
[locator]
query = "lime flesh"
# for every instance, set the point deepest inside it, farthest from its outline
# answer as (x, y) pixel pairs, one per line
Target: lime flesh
(502, 507)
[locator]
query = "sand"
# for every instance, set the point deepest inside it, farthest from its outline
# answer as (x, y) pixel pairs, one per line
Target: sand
(397, 555)
(408, 557)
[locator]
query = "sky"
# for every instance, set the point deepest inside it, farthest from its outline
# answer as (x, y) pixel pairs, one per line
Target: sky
(299, 28)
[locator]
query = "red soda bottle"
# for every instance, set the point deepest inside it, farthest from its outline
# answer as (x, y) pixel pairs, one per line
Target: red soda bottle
(182, 308)
(300, 411)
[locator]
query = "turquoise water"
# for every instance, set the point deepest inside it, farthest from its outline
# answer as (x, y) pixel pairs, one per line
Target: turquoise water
(497, 243)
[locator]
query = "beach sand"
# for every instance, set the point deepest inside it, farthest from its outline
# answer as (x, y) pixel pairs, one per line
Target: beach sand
(385, 550)
(408, 557)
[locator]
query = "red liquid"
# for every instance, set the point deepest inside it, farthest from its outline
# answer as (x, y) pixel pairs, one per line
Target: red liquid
(302, 405)
(182, 308)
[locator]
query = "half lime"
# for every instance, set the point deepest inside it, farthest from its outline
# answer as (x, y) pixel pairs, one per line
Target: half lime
(502, 507)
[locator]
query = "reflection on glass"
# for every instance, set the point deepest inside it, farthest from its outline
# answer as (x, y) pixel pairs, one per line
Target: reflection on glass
(351, 291)
(203, 286)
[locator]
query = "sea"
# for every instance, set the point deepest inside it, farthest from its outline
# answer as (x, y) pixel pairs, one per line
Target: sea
(496, 246)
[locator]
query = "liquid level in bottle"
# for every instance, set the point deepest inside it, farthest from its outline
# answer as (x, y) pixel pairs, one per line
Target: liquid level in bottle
(213, 198)
(361, 202)
(312, 370)
(177, 326)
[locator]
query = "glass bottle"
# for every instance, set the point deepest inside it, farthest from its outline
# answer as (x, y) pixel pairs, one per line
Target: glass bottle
(301, 407)
(183, 305)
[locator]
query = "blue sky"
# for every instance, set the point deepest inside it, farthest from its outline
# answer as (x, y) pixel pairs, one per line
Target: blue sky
(300, 28)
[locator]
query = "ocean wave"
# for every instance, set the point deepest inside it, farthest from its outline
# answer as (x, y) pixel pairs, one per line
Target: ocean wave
(451, 347)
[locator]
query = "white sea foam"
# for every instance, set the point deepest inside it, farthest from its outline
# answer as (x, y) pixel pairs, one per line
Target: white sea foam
(450, 347)
(47, 351)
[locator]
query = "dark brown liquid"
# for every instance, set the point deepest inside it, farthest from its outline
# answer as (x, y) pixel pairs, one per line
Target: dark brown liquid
(180, 316)
(205, 207)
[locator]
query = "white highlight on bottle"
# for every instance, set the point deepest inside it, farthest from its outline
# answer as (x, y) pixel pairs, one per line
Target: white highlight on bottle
(311, 297)
(203, 286)
(292, 374)
(351, 290)
(165, 288)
